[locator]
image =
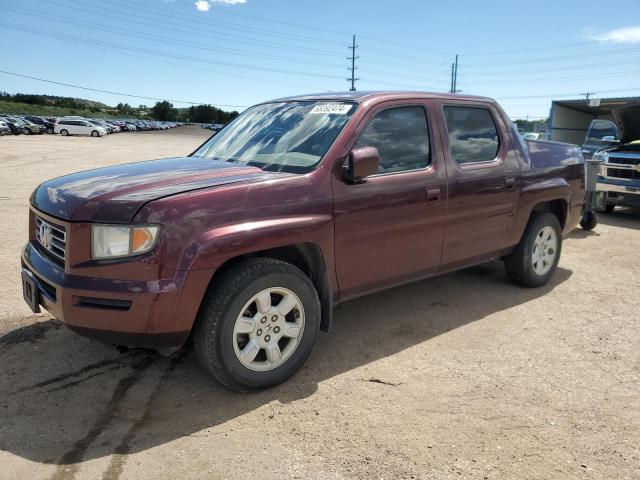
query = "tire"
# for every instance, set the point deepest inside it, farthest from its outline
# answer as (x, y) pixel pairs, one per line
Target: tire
(64, 132)
(49, 131)
(220, 346)
(26, 131)
(95, 133)
(523, 265)
(589, 221)
(609, 207)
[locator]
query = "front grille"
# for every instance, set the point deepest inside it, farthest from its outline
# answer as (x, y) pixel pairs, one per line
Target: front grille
(624, 173)
(52, 238)
(627, 160)
(623, 167)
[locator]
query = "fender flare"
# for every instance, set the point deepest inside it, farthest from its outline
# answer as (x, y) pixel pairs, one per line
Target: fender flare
(533, 194)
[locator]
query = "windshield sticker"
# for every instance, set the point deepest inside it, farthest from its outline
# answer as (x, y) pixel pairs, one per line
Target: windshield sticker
(333, 108)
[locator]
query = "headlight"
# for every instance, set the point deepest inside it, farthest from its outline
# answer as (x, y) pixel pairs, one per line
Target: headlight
(114, 241)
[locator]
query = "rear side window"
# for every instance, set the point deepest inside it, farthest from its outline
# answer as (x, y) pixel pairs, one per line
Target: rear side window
(473, 135)
(401, 136)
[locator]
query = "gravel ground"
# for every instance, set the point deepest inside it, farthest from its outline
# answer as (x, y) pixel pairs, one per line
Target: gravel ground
(460, 376)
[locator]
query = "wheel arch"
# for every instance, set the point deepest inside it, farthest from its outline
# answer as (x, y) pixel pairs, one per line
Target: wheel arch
(544, 195)
(559, 207)
(306, 256)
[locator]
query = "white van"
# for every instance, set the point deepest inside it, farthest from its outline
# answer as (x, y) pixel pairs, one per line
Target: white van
(67, 126)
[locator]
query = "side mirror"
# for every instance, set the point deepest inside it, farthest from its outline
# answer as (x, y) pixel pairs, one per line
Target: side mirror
(609, 139)
(362, 163)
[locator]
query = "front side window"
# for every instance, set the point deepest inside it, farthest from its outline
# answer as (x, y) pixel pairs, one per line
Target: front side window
(473, 135)
(401, 136)
(286, 136)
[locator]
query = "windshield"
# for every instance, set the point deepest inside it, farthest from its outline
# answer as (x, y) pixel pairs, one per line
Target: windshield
(599, 129)
(289, 136)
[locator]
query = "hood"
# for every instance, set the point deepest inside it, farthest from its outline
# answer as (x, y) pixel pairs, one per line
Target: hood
(115, 194)
(628, 120)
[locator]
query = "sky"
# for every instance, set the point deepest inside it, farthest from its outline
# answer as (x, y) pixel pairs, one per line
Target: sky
(234, 53)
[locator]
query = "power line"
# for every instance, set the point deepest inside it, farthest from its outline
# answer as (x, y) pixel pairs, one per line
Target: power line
(117, 93)
(172, 41)
(93, 42)
(573, 94)
(353, 67)
(138, 21)
(536, 81)
(218, 24)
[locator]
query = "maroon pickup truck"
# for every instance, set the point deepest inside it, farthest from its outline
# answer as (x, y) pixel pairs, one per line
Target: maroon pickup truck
(298, 204)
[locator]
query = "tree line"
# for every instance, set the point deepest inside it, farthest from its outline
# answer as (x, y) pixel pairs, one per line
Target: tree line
(53, 101)
(198, 113)
(160, 111)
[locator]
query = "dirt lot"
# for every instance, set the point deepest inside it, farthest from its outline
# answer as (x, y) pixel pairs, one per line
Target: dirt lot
(462, 376)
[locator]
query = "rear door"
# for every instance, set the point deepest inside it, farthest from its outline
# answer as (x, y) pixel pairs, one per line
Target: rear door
(483, 182)
(390, 228)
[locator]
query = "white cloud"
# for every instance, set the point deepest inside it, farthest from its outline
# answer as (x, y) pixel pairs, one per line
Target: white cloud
(619, 35)
(203, 5)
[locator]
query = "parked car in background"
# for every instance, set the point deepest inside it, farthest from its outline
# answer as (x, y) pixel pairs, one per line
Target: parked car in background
(298, 204)
(620, 172)
(47, 124)
(78, 127)
(531, 136)
(98, 123)
(30, 128)
(599, 136)
(4, 128)
(13, 124)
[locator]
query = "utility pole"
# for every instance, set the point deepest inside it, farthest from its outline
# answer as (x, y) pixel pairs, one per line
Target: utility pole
(353, 67)
(454, 77)
(453, 68)
(587, 94)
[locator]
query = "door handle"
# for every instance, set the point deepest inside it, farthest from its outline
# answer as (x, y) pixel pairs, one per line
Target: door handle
(433, 194)
(510, 183)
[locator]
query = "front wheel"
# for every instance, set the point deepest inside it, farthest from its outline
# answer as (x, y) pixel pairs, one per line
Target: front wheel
(64, 132)
(95, 133)
(536, 257)
(26, 131)
(258, 324)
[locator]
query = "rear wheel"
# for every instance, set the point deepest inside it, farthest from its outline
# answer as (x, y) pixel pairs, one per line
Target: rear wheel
(64, 132)
(536, 257)
(257, 327)
(26, 131)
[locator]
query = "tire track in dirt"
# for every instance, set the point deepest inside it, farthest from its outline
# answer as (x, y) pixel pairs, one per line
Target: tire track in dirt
(69, 464)
(119, 458)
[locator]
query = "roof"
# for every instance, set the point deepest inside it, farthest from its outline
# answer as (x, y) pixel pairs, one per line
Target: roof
(605, 107)
(389, 95)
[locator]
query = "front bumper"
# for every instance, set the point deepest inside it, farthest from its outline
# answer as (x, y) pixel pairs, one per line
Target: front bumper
(620, 192)
(618, 188)
(156, 314)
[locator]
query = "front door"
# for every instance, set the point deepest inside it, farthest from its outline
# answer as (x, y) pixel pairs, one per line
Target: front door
(390, 228)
